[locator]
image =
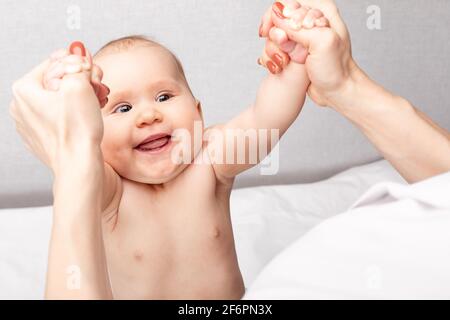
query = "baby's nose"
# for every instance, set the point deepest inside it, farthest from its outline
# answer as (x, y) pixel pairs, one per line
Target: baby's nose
(148, 117)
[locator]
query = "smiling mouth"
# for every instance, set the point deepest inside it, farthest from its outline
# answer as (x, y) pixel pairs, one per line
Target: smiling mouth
(155, 145)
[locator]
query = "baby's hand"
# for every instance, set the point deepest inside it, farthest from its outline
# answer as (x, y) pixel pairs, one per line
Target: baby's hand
(75, 60)
(279, 49)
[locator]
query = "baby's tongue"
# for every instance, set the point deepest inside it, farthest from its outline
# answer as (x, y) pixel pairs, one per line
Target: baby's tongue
(155, 143)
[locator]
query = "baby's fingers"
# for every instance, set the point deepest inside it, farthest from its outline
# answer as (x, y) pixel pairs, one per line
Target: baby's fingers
(297, 17)
(296, 52)
(97, 74)
(311, 17)
(101, 90)
(76, 63)
(280, 38)
(59, 54)
(53, 84)
(323, 22)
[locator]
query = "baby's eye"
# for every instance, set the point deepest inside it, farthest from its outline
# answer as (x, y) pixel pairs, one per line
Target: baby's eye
(163, 95)
(123, 108)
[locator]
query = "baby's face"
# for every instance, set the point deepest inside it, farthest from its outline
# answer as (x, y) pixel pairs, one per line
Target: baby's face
(149, 97)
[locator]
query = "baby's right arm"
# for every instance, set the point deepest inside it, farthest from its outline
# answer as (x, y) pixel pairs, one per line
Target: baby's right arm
(278, 102)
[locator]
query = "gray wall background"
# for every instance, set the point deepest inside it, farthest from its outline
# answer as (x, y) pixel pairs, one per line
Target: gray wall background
(218, 45)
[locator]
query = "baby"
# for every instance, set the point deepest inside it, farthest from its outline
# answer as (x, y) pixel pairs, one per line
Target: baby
(166, 215)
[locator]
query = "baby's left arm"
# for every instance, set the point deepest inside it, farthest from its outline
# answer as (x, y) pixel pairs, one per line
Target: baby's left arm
(279, 101)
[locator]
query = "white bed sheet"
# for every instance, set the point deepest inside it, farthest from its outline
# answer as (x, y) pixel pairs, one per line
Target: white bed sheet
(394, 243)
(265, 221)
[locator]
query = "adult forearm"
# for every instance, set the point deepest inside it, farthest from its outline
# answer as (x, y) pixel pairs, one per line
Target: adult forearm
(416, 146)
(77, 266)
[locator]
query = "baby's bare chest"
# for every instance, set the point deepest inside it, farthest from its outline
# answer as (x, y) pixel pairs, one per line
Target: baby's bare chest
(168, 240)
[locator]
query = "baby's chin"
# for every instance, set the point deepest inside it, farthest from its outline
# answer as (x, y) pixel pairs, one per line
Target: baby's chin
(156, 178)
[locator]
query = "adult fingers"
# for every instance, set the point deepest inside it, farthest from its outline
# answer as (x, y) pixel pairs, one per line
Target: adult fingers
(35, 76)
(266, 62)
(276, 55)
(77, 48)
(31, 86)
(89, 58)
(266, 24)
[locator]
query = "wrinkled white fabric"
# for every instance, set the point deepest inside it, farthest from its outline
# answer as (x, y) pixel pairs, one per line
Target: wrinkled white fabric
(394, 243)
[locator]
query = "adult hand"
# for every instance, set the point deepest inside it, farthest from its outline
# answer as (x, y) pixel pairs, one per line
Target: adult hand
(50, 122)
(71, 61)
(329, 62)
(386, 119)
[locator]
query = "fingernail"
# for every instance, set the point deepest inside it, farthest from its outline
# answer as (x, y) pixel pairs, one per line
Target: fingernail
(77, 47)
(272, 67)
(278, 8)
(278, 59)
(260, 30)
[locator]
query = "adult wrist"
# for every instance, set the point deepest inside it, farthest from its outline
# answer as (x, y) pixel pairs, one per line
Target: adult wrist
(350, 93)
(78, 185)
(82, 156)
(362, 101)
